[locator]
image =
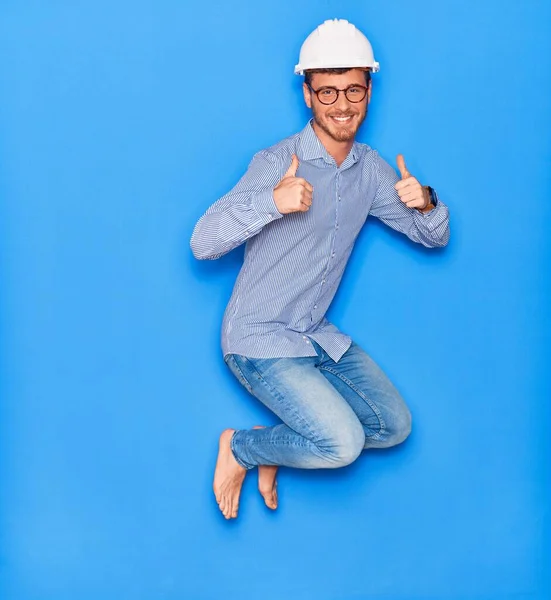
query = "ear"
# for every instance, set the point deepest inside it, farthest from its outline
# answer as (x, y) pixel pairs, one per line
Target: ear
(369, 91)
(307, 95)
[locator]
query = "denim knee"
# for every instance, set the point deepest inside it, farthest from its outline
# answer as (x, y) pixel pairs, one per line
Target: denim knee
(344, 446)
(399, 427)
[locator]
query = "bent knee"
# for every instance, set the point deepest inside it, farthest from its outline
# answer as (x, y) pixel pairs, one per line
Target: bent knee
(344, 447)
(399, 428)
(403, 428)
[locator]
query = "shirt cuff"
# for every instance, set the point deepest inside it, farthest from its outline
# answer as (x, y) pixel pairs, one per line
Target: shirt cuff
(264, 205)
(433, 220)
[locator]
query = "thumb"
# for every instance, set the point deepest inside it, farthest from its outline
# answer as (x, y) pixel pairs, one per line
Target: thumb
(292, 170)
(402, 166)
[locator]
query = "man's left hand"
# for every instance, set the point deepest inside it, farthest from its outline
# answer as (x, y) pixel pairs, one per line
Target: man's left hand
(411, 192)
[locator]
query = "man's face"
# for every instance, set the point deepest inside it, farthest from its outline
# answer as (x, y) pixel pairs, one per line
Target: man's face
(342, 119)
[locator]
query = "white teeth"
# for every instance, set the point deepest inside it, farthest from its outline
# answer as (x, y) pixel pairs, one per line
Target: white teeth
(342, 119)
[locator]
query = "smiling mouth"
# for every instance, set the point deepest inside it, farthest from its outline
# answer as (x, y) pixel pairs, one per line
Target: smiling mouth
(342, 120)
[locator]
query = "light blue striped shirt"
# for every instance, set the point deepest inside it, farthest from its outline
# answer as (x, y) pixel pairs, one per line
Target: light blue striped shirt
(294, 263)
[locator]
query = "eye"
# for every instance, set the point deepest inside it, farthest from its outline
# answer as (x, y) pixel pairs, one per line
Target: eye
(327, 92)
(355, 90)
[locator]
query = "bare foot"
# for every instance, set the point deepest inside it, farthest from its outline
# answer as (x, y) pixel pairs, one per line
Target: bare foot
(228, 477)
(267, 483)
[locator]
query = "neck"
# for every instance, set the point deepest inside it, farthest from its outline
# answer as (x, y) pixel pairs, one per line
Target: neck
(338, 150)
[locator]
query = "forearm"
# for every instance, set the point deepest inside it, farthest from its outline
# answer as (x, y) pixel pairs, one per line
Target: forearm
(427, 227)
(240, 214)
(230, 222)
(410, 208)
(431, 225)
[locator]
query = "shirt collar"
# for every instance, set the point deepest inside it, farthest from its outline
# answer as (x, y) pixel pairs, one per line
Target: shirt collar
(312, 148)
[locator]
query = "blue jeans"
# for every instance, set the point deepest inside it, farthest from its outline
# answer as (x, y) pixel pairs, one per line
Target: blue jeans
(330, 411)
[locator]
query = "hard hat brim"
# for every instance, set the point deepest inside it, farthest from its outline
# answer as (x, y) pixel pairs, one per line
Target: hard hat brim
(300, 69)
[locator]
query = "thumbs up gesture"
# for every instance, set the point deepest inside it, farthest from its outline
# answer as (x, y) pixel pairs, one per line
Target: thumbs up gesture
(292, 193)
(411, 192)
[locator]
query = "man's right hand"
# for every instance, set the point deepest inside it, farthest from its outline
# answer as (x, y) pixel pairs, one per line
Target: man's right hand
(292, 193)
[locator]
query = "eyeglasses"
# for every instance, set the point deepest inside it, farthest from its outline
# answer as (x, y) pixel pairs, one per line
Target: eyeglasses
(329, 95)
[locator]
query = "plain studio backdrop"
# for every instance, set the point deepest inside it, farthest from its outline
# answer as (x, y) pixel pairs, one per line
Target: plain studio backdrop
(121, 122)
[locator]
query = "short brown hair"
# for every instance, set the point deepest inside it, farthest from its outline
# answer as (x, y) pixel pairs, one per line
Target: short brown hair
(308, 74)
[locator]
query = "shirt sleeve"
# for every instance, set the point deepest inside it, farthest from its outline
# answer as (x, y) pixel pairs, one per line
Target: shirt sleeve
(241, 213)
(430, 229)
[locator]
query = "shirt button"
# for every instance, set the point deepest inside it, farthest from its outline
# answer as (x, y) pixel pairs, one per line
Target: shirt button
(322, 281)
(315, 305)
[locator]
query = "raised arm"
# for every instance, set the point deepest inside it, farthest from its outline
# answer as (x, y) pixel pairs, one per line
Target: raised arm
(405, 206)
(262, 195)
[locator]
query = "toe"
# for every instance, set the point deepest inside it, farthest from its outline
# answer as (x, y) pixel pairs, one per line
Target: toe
(234, 507)
(228, 508)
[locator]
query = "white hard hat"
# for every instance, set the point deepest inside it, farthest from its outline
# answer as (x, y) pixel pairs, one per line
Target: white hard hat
(336, 44)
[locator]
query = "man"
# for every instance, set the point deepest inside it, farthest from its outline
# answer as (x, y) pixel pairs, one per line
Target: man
(300, 207)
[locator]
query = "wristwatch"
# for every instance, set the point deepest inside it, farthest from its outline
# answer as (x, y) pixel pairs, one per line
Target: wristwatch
(433, 196)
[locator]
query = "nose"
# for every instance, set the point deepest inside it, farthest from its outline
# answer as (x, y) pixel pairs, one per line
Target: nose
(342, 102)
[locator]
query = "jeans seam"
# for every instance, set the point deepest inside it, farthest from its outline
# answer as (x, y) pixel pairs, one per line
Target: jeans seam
(233, 450)
(283, 440)
(272, 390)
(372, 405)
(245, 383)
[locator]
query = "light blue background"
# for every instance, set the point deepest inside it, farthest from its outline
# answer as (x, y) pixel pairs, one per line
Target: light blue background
(120, 123)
